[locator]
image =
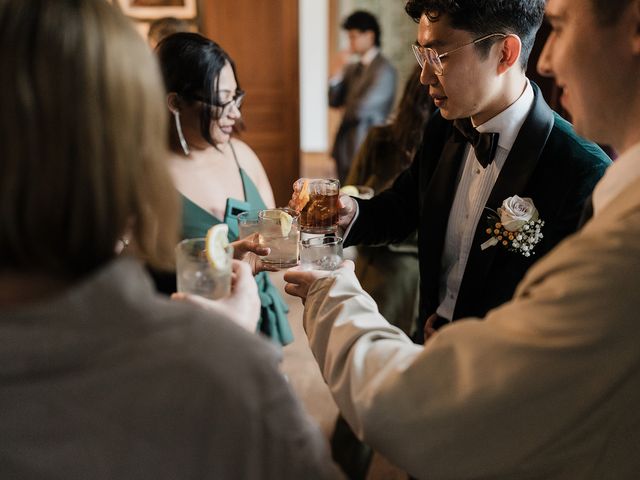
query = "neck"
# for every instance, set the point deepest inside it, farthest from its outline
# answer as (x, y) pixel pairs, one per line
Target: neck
(509, 91)
(23, 288)
(198, 150)
(628, 142)
(625, 133)
(194, 142)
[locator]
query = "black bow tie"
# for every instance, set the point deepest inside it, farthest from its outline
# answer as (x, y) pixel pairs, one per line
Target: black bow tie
(485, 145)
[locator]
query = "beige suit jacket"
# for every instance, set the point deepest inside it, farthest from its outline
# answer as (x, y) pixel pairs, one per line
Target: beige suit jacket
(547, 386)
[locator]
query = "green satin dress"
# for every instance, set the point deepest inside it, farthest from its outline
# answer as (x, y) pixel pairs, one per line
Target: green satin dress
(195, 223)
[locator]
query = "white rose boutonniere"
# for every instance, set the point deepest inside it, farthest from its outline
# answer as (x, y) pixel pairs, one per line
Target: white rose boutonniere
(516, 225)
(516, 212)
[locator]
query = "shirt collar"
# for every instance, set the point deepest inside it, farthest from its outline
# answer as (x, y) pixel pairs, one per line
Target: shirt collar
(508, 122)
(624, 171)
(369, 55)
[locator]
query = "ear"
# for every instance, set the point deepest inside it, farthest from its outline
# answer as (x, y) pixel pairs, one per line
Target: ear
(173, 102)
(509, 53)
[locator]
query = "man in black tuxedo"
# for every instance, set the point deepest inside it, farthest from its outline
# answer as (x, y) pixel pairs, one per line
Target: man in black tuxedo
(473, 61)
(474, 57)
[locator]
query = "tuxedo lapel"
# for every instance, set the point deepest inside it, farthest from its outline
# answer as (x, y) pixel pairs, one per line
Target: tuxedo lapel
(523, 157)
(436, 207)
(514, 176)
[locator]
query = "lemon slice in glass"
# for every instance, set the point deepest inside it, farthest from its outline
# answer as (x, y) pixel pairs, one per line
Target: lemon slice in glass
(216, 246)
(350, 190)
(280, 217)
(285, 223)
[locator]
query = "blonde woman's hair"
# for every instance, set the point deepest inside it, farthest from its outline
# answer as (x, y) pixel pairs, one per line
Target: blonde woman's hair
(83, 144)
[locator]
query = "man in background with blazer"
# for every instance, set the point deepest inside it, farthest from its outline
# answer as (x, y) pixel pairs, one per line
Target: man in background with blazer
(366, 89)
(493, 142)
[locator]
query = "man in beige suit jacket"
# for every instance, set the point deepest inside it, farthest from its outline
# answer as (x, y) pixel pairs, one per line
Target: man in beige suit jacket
(548, 385)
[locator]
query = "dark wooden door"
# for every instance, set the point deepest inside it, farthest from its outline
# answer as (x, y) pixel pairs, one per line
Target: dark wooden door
(262, 38)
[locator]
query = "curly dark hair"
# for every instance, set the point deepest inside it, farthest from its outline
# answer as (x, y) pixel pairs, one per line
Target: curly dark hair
(482, 17)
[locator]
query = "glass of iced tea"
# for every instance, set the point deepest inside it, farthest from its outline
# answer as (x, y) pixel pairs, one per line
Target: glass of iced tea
(317, 202)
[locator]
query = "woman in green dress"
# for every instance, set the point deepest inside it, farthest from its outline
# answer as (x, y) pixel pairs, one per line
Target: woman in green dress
(215, 173)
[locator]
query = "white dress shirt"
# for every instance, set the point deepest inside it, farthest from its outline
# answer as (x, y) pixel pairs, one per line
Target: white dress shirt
(369, 55)
(473, 191)
(618, 176)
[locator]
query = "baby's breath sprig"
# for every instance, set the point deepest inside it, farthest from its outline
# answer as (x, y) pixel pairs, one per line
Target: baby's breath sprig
(522, 240)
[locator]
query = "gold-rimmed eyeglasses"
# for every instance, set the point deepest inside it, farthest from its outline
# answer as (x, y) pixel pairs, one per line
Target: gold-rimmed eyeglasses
(429, 55)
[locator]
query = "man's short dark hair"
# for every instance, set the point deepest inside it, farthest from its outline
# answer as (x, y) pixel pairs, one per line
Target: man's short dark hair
(609, 11)
(482, 17)
(363, 21)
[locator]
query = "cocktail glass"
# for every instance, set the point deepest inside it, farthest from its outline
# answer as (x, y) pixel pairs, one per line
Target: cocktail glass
(281, 234)
(318, 199)
(248, 223)
(321, 253)
(196, 275)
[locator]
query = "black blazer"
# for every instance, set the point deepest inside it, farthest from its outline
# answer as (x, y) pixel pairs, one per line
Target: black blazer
(548, 162)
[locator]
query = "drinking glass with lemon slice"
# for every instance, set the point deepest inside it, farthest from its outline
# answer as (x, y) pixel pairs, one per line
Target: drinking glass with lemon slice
(203, 265)
(279, 230)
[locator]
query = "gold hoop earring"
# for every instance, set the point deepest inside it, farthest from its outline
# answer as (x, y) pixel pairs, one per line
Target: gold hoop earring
(183, 141)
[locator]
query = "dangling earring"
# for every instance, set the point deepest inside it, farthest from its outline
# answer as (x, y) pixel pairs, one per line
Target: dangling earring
(121, 245)
(183, 142)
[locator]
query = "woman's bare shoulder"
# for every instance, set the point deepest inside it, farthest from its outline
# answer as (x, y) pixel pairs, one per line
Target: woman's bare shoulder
(246, 156)
(250, 162)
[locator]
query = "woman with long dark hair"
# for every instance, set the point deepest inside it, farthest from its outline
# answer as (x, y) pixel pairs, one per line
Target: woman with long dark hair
(216, 174)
